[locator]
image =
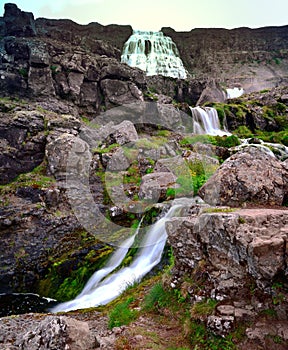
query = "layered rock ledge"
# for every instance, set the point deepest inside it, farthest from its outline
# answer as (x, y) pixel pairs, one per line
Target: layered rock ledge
(234, 245)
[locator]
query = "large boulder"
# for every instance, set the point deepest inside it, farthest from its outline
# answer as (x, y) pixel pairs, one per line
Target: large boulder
(59, 332)
(67, 155)
(154, 186)
(251, 175)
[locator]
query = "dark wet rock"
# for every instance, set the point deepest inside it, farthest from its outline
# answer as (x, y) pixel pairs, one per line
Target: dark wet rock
(17, 22)
(22, 143)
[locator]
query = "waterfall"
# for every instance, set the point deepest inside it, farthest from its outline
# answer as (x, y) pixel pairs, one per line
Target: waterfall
(106, 285)
(234, 93)
(154, 53)
(206, 121)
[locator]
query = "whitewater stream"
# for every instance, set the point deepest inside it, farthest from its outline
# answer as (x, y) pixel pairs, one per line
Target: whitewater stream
(106, 285)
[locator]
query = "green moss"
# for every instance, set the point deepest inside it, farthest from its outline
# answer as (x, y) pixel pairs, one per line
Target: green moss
(227, 141)
(202, 339)
(37, 178)
(218, 210)
(67, 276)
(190, 140)
(23, 72)
(151, 94)
(102, 150)
(243, 132)
(241, 220)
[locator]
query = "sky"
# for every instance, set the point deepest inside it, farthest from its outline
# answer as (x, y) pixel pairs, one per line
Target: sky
(181, 15)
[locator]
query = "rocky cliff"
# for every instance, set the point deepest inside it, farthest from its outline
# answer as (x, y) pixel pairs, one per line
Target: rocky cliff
(253, 59)
(77, 63)
(76, 68)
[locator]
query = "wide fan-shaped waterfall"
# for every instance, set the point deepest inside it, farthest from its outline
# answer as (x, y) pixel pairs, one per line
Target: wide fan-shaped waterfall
(154, 53)
(206, 121)
(106, 285)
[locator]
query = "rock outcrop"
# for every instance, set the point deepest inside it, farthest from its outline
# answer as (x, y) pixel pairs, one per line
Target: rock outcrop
(66, 65)
(22, 143)
(59, 333)
(17, 22)
(230, 249)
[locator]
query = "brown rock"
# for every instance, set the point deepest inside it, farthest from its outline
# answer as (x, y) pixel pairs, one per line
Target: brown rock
(59, 332)
(154, 186)
(236, 244)
(250, 175)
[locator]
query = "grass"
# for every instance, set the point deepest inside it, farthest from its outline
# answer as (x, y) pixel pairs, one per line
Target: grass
(204, 308)
(122, 314)
(218, 210)
(202, 339)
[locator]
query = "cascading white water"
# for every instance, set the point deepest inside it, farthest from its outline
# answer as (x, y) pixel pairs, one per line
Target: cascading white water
(106, 285)
(154, 53)
(206, 121)
(234, 93)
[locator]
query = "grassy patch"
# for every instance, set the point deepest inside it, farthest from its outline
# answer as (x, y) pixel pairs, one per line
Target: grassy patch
(203, 308)
(202, 339)
(122, 314)
(37, 178)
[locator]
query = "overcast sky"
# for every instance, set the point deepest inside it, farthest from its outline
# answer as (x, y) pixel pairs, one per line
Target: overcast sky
(182, 15)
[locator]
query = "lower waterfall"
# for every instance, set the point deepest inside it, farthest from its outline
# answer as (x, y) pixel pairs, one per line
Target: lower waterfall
(206, 121)
(106, 285)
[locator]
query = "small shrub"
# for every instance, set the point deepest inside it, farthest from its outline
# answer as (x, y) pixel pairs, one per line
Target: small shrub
(227, 141)
(23, 72)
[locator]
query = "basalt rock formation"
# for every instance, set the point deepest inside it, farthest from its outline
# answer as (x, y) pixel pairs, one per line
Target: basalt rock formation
(253, 59)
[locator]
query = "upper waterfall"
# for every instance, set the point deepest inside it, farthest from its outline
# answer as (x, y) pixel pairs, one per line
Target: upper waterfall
(154, 53)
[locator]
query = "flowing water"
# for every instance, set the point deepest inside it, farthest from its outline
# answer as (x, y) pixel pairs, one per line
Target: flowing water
(206, 121)
(106, 285)
(234, 93)
(154, 53)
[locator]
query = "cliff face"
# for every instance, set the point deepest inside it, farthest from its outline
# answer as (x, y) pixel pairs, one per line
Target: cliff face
(76, 69)
(254, 59)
